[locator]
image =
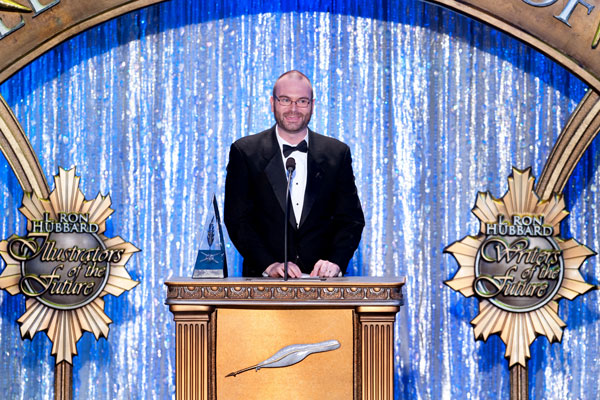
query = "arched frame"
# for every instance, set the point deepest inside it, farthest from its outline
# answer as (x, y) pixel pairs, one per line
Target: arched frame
(565, 31)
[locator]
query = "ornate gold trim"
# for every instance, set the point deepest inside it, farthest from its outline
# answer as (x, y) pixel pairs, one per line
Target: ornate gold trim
(507, 16)
(235, 291)
(575, 138)
(20, 155)
(50, 29)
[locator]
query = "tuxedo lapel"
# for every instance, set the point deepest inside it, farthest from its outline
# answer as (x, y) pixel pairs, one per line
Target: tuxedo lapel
(314, 175)
(275, 171)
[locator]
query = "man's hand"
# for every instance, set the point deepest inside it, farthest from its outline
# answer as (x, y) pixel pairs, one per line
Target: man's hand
(275, 270)
(325, 269)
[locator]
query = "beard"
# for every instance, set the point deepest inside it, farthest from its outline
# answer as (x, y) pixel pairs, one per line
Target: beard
(293, 121)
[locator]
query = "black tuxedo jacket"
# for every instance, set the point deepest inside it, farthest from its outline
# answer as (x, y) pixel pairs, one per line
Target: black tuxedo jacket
(332, 219)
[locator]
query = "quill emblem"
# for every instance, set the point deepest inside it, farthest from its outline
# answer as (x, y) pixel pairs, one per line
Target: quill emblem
(210, 236)
(290, 355)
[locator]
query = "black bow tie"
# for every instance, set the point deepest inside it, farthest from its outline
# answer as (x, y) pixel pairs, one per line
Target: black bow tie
(302, 146)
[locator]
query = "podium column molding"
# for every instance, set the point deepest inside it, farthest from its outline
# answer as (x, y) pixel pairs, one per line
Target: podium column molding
(376, 327)
(194, 326)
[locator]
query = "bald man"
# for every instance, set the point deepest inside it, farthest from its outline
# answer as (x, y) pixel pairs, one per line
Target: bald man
(326, 218)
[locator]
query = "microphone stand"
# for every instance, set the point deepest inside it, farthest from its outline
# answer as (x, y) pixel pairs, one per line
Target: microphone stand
(290, 166)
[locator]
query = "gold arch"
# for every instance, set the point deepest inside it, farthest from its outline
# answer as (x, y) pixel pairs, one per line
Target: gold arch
(20, 155)
(45, 33)
(14, 144)
(584, 123)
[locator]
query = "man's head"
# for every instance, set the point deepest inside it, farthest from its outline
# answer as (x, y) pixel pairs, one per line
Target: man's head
(292, 86)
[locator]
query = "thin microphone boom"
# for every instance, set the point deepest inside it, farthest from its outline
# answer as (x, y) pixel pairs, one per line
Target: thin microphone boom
(290, 166)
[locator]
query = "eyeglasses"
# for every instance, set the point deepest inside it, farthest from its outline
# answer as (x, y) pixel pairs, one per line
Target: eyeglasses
(300, 103)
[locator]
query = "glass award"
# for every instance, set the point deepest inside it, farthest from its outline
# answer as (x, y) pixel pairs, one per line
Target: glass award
(211, 261)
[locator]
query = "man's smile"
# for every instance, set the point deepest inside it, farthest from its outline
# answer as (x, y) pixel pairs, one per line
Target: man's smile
(293, 117)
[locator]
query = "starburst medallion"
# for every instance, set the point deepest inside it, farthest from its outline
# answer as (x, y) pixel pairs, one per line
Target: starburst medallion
(65, 265)
(519, 267)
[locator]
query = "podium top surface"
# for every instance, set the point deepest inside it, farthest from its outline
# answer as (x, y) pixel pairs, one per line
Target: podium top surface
(343, 281)
(351, 291)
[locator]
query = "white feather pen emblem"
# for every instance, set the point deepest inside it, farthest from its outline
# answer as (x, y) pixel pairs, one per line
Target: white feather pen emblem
(290, 355)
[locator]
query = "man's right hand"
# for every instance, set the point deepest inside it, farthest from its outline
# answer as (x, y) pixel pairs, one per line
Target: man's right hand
(275, 270)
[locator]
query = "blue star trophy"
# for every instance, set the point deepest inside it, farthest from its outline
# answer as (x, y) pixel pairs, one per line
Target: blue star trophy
(211, 261)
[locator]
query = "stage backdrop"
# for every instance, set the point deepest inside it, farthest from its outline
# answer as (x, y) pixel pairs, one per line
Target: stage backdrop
(434, 106)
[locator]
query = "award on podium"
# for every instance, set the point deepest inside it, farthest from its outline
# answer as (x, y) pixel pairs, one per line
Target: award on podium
(211, 261)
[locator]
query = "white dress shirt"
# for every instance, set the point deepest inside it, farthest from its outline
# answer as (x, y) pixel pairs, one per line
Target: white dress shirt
(298, 180)
(298, 177)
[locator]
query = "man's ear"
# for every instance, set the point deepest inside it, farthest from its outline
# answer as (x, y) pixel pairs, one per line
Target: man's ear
(272, 104)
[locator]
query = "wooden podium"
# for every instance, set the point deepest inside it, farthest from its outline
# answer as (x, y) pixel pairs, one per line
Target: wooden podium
(225, 325)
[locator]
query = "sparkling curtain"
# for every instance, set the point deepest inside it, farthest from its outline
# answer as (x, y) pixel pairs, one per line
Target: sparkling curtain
(435, 107)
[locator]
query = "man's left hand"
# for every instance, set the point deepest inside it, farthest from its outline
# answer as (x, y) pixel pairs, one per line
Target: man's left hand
(325, 269)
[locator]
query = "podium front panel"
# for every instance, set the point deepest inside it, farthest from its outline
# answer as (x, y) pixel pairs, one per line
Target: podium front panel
(249, 336)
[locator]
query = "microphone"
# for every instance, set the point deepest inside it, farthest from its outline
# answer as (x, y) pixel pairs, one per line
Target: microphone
(290, 166)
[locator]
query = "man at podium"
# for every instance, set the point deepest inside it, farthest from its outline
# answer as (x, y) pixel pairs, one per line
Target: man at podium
(326, 218)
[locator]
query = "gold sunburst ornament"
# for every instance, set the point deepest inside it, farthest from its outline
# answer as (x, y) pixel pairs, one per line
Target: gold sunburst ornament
(65, 265)
(519, 267)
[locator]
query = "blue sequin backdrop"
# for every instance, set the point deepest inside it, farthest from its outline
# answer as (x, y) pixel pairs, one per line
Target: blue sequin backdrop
(435, 107)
